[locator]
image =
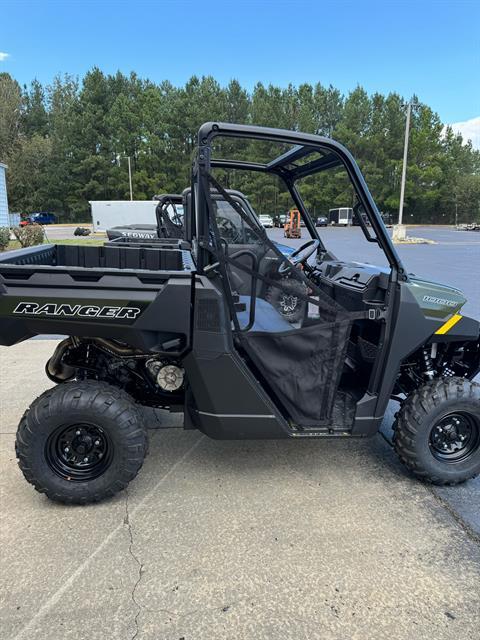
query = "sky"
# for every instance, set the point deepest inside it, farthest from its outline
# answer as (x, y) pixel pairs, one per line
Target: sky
(424, 47)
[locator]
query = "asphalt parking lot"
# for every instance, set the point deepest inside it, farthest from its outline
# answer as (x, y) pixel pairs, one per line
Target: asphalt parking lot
(248, 540)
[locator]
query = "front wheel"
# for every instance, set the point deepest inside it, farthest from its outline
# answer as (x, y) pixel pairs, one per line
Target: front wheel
(81, 442)
(437, 431)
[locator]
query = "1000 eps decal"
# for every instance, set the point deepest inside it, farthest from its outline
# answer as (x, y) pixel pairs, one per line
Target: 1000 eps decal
(69, 310)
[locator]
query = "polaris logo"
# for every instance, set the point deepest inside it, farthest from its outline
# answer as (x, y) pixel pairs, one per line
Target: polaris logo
(69, 311)
(440, 301)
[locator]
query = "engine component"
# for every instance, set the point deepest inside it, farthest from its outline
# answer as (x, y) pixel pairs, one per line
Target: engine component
(55, 368)
(169, 376)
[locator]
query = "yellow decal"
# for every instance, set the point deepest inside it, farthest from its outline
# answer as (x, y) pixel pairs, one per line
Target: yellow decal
(445, 328)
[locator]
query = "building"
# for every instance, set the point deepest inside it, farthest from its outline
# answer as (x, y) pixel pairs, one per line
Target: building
(4, 218)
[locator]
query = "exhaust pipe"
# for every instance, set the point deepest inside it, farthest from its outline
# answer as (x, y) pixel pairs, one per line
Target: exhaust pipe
(57, 370)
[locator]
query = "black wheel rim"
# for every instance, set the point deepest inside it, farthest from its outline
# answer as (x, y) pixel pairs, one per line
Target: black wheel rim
(79, 452)
(455, 437)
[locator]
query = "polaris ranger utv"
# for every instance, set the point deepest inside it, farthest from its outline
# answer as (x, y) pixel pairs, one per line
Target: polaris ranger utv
(176, 328)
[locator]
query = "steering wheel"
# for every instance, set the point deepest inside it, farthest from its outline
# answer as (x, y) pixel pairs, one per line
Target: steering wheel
(299, 256)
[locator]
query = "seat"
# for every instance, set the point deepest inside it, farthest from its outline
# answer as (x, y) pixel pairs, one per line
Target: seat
(267, 318)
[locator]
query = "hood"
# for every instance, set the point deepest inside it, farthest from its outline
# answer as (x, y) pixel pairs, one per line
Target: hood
(436, 300)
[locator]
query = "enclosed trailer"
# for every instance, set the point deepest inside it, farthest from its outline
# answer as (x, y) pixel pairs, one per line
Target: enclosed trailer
(114, 213)
(341, 216)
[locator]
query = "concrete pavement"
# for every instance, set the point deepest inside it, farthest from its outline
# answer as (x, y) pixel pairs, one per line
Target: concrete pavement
(245, 540)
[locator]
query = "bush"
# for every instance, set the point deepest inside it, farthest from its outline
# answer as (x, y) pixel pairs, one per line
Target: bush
(29, 235)
(4, 237)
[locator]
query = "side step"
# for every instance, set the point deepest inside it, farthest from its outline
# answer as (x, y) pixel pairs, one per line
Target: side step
(340, 423)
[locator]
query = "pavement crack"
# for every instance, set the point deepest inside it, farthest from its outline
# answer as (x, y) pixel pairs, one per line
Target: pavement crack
(128, 523)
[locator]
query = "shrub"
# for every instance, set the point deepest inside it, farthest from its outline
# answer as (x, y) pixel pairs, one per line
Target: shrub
(29, 235)
(4, 237)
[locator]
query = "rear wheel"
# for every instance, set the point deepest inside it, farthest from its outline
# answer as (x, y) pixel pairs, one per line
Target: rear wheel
(81, 442)
(437, 431)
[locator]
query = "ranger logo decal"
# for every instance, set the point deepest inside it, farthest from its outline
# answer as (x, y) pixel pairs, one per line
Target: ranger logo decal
(69, 310)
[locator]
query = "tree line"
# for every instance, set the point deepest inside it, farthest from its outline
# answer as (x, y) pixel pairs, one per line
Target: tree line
(67, 143)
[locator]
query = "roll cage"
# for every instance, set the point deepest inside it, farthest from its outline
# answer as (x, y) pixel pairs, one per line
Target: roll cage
(287, 167)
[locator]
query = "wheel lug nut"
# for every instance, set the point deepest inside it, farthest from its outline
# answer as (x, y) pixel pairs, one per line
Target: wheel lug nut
(97, 442)
(67, 449)
(440, 430)
(100, 455)
(85, 459)
(78, 432)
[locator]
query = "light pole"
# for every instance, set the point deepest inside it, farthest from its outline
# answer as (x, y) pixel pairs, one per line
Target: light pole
(399, 231)
(119, 157)
(404, 168)
(130, 177)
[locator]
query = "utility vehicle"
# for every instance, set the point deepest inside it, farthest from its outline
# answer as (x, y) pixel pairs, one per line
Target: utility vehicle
(172, 327)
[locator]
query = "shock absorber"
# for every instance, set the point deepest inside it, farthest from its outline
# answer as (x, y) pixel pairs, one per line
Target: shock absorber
(429, 371)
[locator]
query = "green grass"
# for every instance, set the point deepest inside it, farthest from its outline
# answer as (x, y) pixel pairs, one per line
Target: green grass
(90, 241)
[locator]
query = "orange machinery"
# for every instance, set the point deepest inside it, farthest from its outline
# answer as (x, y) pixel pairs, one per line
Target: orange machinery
(292, 227)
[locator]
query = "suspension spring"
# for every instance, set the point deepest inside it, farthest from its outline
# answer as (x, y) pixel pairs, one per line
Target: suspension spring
(429, 371)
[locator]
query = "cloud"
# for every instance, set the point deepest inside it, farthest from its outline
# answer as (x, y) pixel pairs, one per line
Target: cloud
(470, 130)
(3, 56)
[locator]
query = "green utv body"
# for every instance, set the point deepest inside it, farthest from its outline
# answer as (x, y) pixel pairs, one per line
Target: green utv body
(201, 324)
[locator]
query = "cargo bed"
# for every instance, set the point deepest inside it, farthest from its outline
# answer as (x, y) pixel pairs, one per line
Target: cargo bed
(109, 256)
(135, 294)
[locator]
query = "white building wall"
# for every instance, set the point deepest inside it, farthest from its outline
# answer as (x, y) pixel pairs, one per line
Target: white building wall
(4, 219)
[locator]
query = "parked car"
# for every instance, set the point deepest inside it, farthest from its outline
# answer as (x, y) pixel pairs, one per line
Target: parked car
(39, 218)
(322, 221)
(281, 220)
(266, 221)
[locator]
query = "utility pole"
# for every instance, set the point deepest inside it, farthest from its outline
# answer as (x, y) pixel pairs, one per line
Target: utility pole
(399, 230)
(404, 168)
(130, 177)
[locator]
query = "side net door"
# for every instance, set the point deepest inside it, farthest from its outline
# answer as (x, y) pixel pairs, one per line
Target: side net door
(297, 357)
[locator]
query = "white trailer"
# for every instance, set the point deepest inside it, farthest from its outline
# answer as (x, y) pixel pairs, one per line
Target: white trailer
(343, 215)
(114, 213)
